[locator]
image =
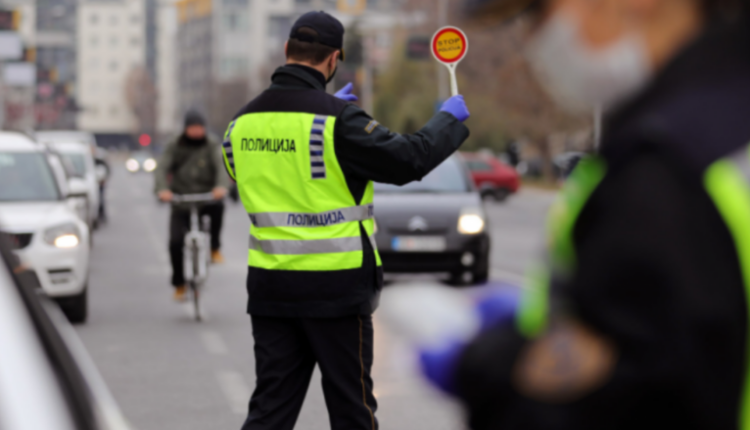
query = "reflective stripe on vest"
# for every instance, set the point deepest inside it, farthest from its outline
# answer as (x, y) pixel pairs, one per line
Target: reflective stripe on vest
(301, 247)
(298, 219)
(532, 317)
(727, 181)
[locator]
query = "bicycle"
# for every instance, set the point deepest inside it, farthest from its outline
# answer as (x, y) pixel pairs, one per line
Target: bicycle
(196, 253)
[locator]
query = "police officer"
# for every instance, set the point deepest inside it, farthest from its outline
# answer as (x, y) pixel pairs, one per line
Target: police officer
(640, 318)
(304, 162)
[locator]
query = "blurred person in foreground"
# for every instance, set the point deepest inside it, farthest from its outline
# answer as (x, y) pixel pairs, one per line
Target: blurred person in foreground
(304, 162)
(639, 317)
(191, 164)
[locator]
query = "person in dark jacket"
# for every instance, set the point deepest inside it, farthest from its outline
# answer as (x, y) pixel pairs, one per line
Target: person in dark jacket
(191, 164)
(639, 320)
(304, 162)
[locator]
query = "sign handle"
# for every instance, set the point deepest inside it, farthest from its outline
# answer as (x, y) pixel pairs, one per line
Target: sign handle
(454, 82)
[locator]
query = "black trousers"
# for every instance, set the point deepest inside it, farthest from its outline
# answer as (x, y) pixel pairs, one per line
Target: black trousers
(179, 225)
(286, 351)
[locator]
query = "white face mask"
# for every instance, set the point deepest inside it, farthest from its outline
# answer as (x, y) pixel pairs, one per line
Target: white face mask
(580, 78)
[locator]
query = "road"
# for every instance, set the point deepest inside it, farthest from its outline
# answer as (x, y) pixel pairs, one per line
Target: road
(169, 372)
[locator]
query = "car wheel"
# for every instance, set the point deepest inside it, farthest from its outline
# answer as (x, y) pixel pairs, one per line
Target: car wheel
(501, 194)
(459, 279)
(488, 195)
(75, 307)
(481, 276)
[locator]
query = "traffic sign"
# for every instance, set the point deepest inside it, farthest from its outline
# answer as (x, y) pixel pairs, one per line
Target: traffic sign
(449, 46)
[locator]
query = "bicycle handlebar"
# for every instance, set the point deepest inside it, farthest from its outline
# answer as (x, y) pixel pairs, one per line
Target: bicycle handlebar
(193, 198)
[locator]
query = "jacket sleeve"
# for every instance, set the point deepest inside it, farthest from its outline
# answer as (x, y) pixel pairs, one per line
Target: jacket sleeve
(369, 151)
(650, 249)
(162, 168)
(222, 177)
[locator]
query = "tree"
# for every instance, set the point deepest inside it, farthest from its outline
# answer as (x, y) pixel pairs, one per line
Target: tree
(141, 97)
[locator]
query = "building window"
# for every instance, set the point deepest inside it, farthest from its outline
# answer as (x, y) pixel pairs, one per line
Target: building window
(113, 66)
(235, 21)
(233, 67)
(93, 18)
(113, 41)
(94, 41)
(114, 111)
(235, 2)
(278, 31)
(135, 41)
(113, 20)
(135, 19)
(93, 63)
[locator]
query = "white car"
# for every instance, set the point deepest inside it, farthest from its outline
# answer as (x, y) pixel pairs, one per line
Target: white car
(67, 136)
(81, 161)
(50, 237)
(47, 379)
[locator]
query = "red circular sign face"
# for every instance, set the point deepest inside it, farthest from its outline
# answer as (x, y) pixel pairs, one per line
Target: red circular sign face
(449, 45)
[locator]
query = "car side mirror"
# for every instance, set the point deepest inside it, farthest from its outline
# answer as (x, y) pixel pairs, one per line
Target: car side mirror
(77, 198)
(77, 187)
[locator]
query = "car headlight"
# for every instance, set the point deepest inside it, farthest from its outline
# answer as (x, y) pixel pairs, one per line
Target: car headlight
(63, 236)
(149, 165)
(132, 165)
(471, 221)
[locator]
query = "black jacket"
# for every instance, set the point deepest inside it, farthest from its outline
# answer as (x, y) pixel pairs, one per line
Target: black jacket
(366, 151)
(658, 273)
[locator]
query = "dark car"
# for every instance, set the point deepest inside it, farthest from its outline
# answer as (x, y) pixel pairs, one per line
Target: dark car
(494, 179)
(436, 225)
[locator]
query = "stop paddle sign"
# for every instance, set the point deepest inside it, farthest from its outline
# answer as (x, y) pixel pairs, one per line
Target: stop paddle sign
(449, 46)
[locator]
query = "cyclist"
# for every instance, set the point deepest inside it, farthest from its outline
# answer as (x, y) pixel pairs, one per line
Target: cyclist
(190, 164)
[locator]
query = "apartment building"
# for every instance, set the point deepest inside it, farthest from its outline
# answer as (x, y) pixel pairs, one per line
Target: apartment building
(112, 69)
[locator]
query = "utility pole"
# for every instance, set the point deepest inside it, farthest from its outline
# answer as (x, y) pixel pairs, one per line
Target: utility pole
(442, 72)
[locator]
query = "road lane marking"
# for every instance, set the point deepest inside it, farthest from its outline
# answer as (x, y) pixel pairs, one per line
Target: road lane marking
(213, 342)
(235, 389)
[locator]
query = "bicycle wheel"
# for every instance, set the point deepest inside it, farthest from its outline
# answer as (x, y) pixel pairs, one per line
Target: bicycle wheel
(194, 282)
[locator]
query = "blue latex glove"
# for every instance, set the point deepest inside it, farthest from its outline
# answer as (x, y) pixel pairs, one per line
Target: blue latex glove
(456, 107)
(497, 307)
(439, 366)
(346, 93)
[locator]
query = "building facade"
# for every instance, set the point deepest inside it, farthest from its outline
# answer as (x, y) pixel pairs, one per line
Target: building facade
(114, 82)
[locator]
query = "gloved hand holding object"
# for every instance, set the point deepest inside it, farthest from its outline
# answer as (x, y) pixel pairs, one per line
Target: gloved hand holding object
(456, 106)
(346, 93)
(440, 322)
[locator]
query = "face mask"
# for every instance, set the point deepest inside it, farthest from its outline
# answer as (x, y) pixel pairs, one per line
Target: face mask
(330, 78)
(580, 78)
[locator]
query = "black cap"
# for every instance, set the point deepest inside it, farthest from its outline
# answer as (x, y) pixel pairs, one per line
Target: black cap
(330, 30)
(193, 117)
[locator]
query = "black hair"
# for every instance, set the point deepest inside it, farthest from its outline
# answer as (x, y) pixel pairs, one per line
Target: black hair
(309, 52)
(725, 9)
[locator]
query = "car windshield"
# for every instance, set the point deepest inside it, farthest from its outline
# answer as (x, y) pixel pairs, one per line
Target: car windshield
(141, 155)
(26, 177)
(448, 177)
(78, 161)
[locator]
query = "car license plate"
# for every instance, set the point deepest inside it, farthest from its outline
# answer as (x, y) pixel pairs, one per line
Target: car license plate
(418, 243)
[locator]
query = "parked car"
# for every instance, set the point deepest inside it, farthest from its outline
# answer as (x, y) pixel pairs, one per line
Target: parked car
(140, 161)
(47, 379)
(494, 179)
(40, 209)
(81, 160)
(85, 137)
(434, 225)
